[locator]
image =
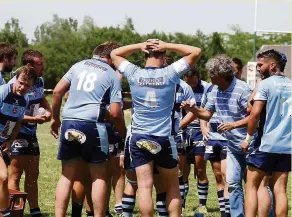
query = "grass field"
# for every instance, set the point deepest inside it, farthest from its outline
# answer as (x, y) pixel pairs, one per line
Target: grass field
(50, 169)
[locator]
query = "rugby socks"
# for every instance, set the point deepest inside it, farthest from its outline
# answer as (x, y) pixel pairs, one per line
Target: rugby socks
(186, 192)
(220, 194)
(5, 213)
(128, 203)
(203, 193)
(89, 214)
(227, 207)
(182, 191)
(76, 209)
(35, 212)
(118, 208)
(161, 204)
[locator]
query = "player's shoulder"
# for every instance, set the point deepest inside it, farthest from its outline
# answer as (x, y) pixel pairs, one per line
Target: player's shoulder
(5, 88)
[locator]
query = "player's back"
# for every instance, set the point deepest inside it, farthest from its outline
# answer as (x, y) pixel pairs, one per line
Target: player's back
(153, 98)
(153, 94)
(93, 85)
(276, 91)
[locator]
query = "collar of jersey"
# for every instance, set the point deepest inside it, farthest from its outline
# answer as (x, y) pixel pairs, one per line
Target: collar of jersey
(96, 57)
(277, 75)
(152, 67)
(231, 86)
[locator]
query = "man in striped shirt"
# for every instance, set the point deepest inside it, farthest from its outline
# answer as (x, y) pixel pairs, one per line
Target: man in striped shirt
(229, 101)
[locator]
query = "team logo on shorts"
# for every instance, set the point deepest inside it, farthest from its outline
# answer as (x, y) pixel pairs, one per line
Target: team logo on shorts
(151, 146)
(209, 149)
(75, 135)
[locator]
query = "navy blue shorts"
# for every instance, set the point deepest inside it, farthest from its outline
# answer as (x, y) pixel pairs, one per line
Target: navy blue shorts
(195, 140)
(216, 150)
(25, 144)
(269, 162)
(180, 141)
(85, 140)
(128, 165)
(165, 158)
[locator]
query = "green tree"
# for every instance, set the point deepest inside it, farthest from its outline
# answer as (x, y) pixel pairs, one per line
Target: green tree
(13, 34)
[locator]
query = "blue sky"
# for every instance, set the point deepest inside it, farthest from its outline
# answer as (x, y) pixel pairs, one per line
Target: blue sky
(167, 16)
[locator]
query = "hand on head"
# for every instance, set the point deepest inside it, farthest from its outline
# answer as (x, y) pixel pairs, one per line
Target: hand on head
(154, 45)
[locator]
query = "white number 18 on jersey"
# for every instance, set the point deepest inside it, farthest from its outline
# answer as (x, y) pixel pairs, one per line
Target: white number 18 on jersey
(86, 81)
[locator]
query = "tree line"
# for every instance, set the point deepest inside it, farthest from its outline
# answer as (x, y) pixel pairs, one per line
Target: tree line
(64, 42)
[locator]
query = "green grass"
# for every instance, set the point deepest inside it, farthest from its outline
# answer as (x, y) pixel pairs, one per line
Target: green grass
(50, 170)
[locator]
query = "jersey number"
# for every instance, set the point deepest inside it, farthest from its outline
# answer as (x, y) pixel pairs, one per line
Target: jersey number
(86, 81)
(150, 99)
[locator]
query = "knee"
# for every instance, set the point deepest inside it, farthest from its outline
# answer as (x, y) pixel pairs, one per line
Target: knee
(3, 177)
(279, 190)
(218, 177)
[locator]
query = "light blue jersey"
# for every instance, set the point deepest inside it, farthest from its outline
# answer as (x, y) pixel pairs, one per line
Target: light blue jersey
(183, 93)
(230, 106)
(276, 91)
(35, 96)
(2, 81)
(94, 84)
(12, 108)
(214, 121)
(153, 95)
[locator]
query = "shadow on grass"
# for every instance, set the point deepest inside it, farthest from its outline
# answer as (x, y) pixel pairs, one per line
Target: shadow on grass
(43, 214)
(210, 210)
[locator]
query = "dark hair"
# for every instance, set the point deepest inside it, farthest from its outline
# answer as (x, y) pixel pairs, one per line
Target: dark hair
(193, 72)
(27, 71)
(7, 50)
(29, 55)
(154, 54)
(104, 50)
(238, 62)
(168, 60)
(279, 57)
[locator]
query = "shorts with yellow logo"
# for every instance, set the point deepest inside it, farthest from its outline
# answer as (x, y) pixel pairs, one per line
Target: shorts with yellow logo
(85, 140)
(160, 149)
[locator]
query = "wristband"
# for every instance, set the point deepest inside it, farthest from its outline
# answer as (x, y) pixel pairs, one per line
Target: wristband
(248, 138)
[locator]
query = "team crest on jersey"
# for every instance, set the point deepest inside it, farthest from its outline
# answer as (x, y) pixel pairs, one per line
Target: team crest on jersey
(75, 135)
(149, 145)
